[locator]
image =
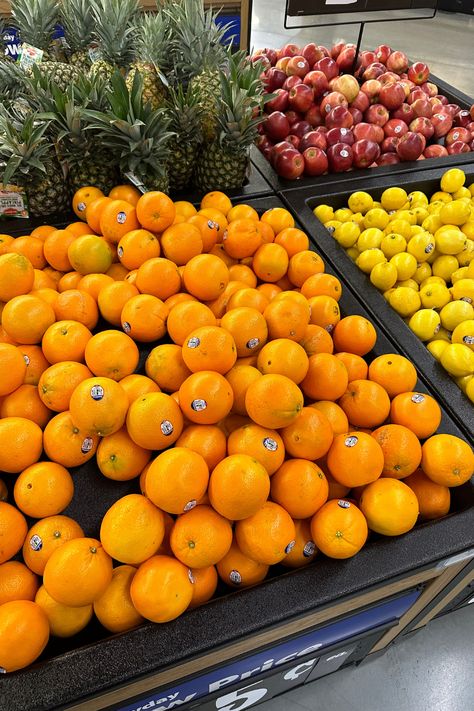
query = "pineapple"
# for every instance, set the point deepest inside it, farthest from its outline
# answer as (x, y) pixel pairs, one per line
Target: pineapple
(134, 135)
(185, 114)
(150, 57)
(32, 164)
(76, 18)
(223, 164)
(114, 28)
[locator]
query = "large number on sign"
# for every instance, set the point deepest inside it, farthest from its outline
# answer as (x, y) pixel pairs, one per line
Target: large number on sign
(240, 699)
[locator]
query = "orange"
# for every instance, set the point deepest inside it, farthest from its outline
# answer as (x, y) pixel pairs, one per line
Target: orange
(178, 298)
(78, 572)
(303, 265)
(217, 200)
(300, 487)
(155, 211)
(17, 275)
(82, 198)
(76, 305)
(245, 296)
(114, 608)
(447, 460)
(390, 507)
(293, 240)
(287, 318)
(326, 379)
(239, 212)
(355, 459)
(129, 193)
(215, 215)
(132, 529)
(65, 341)
(17, 582)
(5, 338)
(118, 272)
(321, 284)
(25, 402)
(204, 584)
(136, 385)
(59, 381)
(270, 262)
(43, 281)
(248, 328)
(177, 479)
(136, 247)
(201, 537)
(354, 334)
(401, 450)
(207, 440)
(309, 436)
(278, 218)
(6, 241)
(241, 238)
(316, 340)
(284, 357)
(24, 633)
(154, 421)
(143, 317)
(339, 529)
(365, 403)
(264, 445)
(56, 248)
(165, 365)
(209, 348)
(159, 277)
(304, 550)
(69, 281)
(90, 254)
(161, 589)
(240, 377)
(46, 294)
(356, 366)
(269, 290)
(98, 406)
(336, 490)
(210, 232)
(43, 489)
(181, 242)
(324, 312)
(94, 212)
(116, 219)
(26, 318)
(233, 422)
(186, 317)
(267, 536)
(13, 530)
(335, 415)
(240, 272)
(111, 354)
(119, 458)
(239, 486)
(434, 500)
(417, 411)
(215, 281)
(205, 397)
(21, 444)
(44, 537)
(31, 248)
(13, 370)
(273, 401)
(41, 232)
(66, 443)
(112, 298)
(64, 621)
(393, 372)
(79, 228)
(185, 208)
(238, 570)
(94, 283)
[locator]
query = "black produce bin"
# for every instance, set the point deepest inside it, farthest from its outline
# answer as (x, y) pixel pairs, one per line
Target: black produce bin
(321, 182)
(73, 673)
(302, 203)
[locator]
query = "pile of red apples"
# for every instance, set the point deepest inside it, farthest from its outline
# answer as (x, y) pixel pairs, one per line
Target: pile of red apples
(326, 117)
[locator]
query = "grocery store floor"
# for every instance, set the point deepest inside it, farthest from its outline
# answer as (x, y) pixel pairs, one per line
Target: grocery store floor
(445, 43)
(431, 671)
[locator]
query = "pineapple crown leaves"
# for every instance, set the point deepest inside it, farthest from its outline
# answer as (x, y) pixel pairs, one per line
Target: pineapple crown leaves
(78, 22)
(185, 113)
(23, 147)
(115, 28)
(152, 43)
(12, 80)
(36, 20)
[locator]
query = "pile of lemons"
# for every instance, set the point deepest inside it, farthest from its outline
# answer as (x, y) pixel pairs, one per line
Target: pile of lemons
(419, 251)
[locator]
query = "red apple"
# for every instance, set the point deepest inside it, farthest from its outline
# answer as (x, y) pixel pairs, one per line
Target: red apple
(389, 144)
(361, 101)
(454, 108)
(410, 146)
(272, 55)
(388, 159)
(424, 126)
(263, 143)
(470, 127)
(377, 114)
(293, 116)
(373, 71)
(382, 53)
(315, 161)
(277, 126)
(339, 117)
(318, 81)
(347, 85)
(371, 88)
(442, 123)
(435, 102)
(325, 50)
(392, 96)
(366, 58)
(337, 48)
(471, 111)
(397, 62)
(339, 135)
(369, 131)
(289, 164)
(330, 101)
(314, 116)
(340, 157)
(300, 128)
(364, 153)
(327, 66)
(435, 151)
(357, 115)
(395, 127)
(279, 148)
(416, 94)
(389, 78)
(263, 59)
(430, 89)
(422, 107)
(345, 60)
(297, 66)
(313, 139)
(312, 53)
(288, 50)
(321, 129)
(405, 113)
(279, 102)
(458, 134)
(406, 85)
(275, 78)
(418, 73)
(444, 99)
(462, 118)
(300, 98)
(294, 140)
(281, 63)
(458, 147)
(292, 81)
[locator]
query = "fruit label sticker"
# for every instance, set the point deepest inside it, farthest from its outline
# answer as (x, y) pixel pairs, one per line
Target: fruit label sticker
(270, 444)
(193, 342)
(331, 230)
(429, 248)
(166, 428)
(36, 543)
(235, 577)
(190, 505)
(87, 445)
(120, 251)
(468, 340)
(26, 359)
(126, 327)
(351, 441)
(198, 405)
(290, 547)
(97, 392)
(29, 55)
(343, 504)
(344, 153)
(122, 218)
(309, 549)
(13, 201)
(253, 343)
(417, 397)
(213, 225)
(191, 577)
(81, 206)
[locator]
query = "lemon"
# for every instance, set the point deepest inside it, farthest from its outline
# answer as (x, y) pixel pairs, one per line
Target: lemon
(401, 227)
(358, 218)
(464, 289)
(435, 207)
(434, 296)
(441, 196)
(464, 333)
(452, 180)
(347, 234)
(431, 223)
(410, 283)
(463, 382)
(393, 198)
(470, 389)
(444, 266)
(409, 216)
(392, 244)
(369, 238)
(376, 217)
(383, 276)
(423, 272)
(360, 202)
(444, 335)
(450, 241)
(416, 230)
(332, 226)
(470, 271)
(460, 273)
(421, 246)
(458, 360)
(455, 313)
(353, 253)
(404, 301)
(467, 255)
(416, 197)
(406, 265)
(343, 214)
(437, 347)
(425, 324)
(387, 294)
(455, 213)
(432, 280)
(433, 257)
(462, 193)
(471, 189)
(421, 214)
(369, 258)
(324, 213)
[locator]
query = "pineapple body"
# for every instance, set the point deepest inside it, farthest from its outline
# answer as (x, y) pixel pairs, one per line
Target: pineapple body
(63, 75)
(47, 192)
(102, 69)
(81, 60)
(207, 84)
(97, 172)
(220, 169)
(181, 164)
(153, 90)
(155, 181)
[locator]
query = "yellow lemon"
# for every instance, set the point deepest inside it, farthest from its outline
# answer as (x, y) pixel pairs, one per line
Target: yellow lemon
(458, 360)
(324, 213)
(409, 216)
(437, 347)
(393, 198)
(347, 234)
(367, 260)
(455, 313)
(432, 280)
(405, 301)
(431, 223)
(332, 226)
(450, 241)
(401, 227)
(452, 180)
(376, 217)
(388, 293)
(421, 246)
(467, 255)
(463, 382)
(383, 276)
(369, 238)
(392, 244)
(358, 218)
(416, 230)
(425, 324)
(471, 189)
(444, 335)
(441, 196)
(343, 214)
(460, 273)
(464, 333)
(444, 266)
(360, 201)
(423, 272)
(406, 265)
(464, 289)
(462, 193)
(470, 271)
(416, 197)
(455, 213)
(410, 283)
(353, 253)
(434, 296)
(470, 389)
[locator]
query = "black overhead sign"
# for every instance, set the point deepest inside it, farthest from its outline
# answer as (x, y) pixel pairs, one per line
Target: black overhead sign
(339, 7)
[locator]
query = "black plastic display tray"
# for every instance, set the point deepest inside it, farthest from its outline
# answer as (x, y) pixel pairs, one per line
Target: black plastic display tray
(92, 662)
(302, 203)
(321, 182)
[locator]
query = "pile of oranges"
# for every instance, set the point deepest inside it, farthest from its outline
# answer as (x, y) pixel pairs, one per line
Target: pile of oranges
(254, 418)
